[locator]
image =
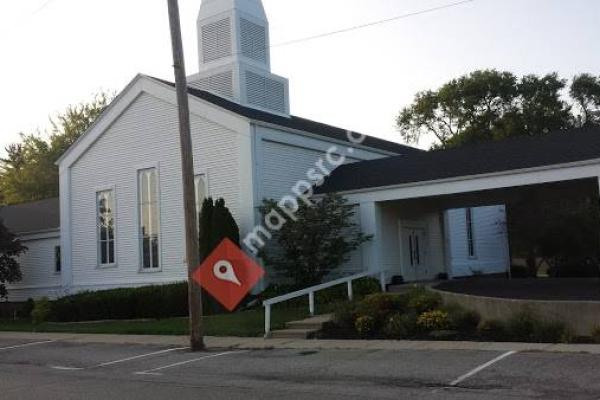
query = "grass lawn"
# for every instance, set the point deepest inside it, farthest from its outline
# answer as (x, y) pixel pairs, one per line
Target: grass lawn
(242, 324)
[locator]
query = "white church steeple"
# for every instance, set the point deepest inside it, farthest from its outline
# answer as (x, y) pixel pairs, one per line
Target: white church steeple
(234, 53)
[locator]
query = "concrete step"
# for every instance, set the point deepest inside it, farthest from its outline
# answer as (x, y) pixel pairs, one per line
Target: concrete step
(293, 334)
(304, 329)
(314, 323)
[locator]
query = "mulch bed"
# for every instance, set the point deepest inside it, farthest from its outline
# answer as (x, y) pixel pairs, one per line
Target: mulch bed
(566, 289)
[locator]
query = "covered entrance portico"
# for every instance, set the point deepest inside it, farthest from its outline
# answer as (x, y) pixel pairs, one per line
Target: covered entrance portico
(410, 222)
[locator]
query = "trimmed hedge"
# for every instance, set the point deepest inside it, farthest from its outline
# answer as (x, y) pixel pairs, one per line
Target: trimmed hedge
(155, 302)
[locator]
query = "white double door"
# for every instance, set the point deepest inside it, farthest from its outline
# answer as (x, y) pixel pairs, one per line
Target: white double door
(414, 254)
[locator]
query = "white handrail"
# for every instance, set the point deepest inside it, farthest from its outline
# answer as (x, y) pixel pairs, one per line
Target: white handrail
(311, 294)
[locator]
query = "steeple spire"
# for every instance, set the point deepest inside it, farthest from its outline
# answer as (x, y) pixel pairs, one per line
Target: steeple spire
(234, 53)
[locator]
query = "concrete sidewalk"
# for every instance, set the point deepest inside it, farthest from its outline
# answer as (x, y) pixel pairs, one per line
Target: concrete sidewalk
(261, 344)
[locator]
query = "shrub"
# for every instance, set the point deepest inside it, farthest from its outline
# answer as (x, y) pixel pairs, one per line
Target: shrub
(596, 334)
(435, 320)
(462, 319)
(522, 325)
(401, 326)
(365, 326)
(27, 309)
(378, 306)
(345, 315)
(492, 330)
(422, 300)
(126, 303)
(41, 311)
(552, 332)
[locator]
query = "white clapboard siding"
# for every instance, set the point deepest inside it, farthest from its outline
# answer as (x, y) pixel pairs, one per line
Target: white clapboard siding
(146, 135)
(38, 269)
(491, 250)
(282, 158)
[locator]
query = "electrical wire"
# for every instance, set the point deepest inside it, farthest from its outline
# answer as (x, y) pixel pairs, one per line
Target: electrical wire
(374, 23)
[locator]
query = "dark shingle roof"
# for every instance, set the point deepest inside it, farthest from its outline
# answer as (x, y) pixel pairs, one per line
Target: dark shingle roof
(497, 156)
(293, 122)
(38, 216)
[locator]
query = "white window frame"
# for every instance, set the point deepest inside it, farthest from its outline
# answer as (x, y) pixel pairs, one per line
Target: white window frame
(139, 219)
(198, 176)
(114, 264)
(470, 233)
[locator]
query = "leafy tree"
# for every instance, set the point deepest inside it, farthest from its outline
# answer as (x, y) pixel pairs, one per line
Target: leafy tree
(486, 105)
(10, 249)
(319, 241)
(28, 172)
(557, 225)
(216, 223)
(585, 90)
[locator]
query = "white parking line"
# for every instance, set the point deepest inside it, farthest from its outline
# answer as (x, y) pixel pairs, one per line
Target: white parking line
(65, 368)
(109, 363)
(155, 370)
(481, 368)
(156, 353)
(19, 346)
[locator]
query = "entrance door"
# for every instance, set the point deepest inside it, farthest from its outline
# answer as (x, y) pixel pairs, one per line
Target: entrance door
(414, 265)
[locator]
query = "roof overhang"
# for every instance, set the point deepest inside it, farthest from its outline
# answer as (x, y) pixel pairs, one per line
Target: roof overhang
(476, 183)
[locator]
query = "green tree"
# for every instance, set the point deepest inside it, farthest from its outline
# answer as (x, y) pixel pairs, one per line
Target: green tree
(28, 172)
(486, 105)
(216, 223)
(585, 90)
(318, 242)
(10, 249)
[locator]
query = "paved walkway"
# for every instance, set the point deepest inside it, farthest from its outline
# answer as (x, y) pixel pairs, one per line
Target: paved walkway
(260, 344)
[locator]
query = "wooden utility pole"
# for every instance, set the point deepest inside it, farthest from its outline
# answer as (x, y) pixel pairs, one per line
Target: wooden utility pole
(187, 172)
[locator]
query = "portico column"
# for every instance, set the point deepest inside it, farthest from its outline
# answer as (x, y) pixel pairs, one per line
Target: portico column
(370, 219)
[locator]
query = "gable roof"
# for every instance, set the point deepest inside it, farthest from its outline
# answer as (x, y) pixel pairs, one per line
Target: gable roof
(498, 156)
(38, 216)
(294, 122)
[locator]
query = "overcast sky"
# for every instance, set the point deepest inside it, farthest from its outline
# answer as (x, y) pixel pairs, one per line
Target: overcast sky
(60, 52)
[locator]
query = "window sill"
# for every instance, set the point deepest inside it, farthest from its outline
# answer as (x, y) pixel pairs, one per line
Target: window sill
(150, 270)
(107, 266)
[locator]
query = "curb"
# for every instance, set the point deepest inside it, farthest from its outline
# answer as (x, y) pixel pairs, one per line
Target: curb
(297, 344)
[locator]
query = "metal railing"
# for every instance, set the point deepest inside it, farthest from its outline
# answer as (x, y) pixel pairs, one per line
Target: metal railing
(268, 304)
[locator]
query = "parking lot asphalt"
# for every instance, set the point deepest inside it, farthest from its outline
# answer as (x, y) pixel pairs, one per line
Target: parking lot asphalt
(68, 370)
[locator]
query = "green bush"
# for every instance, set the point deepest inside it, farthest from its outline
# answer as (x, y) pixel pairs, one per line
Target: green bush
(401, 326)
(27, 309)
(435, 320)
(422, 300)
(522, 326)
(461, 319)
(126, 303)
(344, 315)
(379, 306)
(492, 330)
(552, 332)
(596, 335)
(41, 311)
(365, 326)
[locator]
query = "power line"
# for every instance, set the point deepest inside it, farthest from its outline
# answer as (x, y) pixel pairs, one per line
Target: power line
(374, 23)
(354, 28)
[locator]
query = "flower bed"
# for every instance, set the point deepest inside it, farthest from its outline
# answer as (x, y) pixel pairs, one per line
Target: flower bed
(422, 314)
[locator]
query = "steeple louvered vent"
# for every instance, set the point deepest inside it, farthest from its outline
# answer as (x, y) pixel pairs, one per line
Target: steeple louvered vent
(221, 84)
(264, 92)
(253, 40)
(235, 58)
(216, 40)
